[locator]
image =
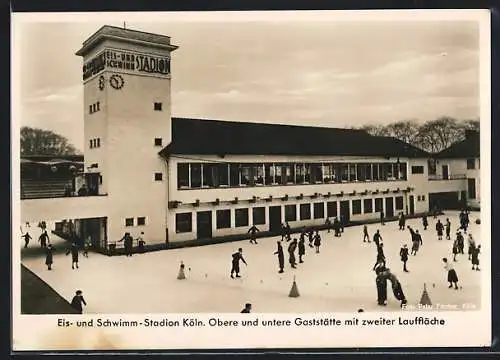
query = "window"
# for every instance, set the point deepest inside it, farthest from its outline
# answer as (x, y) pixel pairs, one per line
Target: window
(158, 141)
(223, 219)
(208, 175)
(183, 223)
(344, 172)
(375, 171)
(356, 207)
(158, 176)
(93, 108)
(368, 206)
(402, 171)
(361, 172)
(471, 164)
(369, 172)
(417, 169)
(328, 173)
(471, 188)
(331, 209)
(98, 106)
(182, 175)
(91, 143)
(423, 197)
(195, 175)
(234, 175)
(259, 215)
(129, 222)
(90, 109)
(379, 206)
(288, 174)
(223, 174)
(257, 175)
(100, 179)
(319, 210)
(399, 203)
(245, 174)
(352, 172)
(98, 142)
(241, 217)
(141, 221)
(316, 173)
(290, 213)
(431, 166)
(269, 171)
(305, 211)
(418, 198)
(157, 106)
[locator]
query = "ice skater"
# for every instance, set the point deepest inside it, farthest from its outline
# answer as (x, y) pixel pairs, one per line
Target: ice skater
(310, 236)
(27, 237)
(403, 253)
(452, 274)
(448, 229)
(454, 249)
(425, 223)
(382, 218)
(235, 268)
(127, 244)
(281, 256)
(49, 257)
(365, 234)
(472, 245)
(439, 229)
(336, 226)
(74, 255)
(302, 250)
(283, 231)
(288, 232)
(381, 283)
(377, 238)
(141, 242)
(86, 246)
(77, 302)
(43, 239)
(253, 231)
(291, 253)
(460, 243)
(402, 221)
(317, 241)
(475, 257)
(247, 309)
(342, 223)
(380, 262)
(397, 289)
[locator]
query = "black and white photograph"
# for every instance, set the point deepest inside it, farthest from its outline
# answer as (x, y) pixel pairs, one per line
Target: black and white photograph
(320, 165)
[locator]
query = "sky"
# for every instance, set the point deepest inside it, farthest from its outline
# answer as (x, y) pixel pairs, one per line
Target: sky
(282, 69)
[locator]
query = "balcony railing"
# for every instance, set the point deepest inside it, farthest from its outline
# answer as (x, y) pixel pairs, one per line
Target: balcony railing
(449, 177)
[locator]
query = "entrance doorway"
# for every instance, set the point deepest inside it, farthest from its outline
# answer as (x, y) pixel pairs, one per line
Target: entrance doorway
(446, 175)
(204, 224)
(412, 205)
(389, 207)
(274, 218)
(345, 212)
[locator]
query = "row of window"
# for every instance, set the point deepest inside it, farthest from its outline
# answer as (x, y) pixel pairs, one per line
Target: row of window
(141, 221)
(421, 198)
(198, 175)
(241, 216)
(94, 107)
(95, 143)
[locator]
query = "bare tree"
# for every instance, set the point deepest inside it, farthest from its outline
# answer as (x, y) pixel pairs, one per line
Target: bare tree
(437, 135)
(376, 130)
(406, 130)
(44, 142)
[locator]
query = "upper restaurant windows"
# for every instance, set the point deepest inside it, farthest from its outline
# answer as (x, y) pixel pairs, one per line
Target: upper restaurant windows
(215, 175)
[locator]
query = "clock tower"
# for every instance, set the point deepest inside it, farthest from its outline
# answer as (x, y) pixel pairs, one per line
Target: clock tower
(127, 121)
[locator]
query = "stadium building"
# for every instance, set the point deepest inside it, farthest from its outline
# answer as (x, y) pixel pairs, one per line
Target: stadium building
(184, 181)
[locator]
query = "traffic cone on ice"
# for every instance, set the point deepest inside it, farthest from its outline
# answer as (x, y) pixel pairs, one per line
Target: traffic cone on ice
(425, 299)
(294, 291)
(181, 275)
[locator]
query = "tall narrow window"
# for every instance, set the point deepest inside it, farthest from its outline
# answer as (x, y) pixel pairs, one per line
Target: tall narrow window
(319, 210)
(316, 173)
(344, 168)
(223, 174)
(195, 175)
(259, 215)
(241, 217)
(369, 172)
(258, 174)
(234, 174)
(331, 209)
(91, 143)
(269, 173)
(98, 106)
(290, 212)
(375, 169)
(208, 176)
(305, 211)
(183, 222)
(299, 174)
(356, 207)
(223, 219)
(90, 109)
(245, 174)
(368, 206)
(183, 176)
(98, 142)
(352, 172)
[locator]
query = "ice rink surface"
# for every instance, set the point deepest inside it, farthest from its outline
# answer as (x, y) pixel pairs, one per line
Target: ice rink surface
(338, 279)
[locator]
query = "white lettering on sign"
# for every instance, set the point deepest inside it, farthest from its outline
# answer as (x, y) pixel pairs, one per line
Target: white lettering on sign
(124, 60)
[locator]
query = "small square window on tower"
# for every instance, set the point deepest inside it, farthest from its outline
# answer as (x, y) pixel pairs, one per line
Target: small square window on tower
(98, 106)
(100, 179)
(91, 143)
(141, 221)
(129, 222)
(90, 109)
(98, 142)
(158, 141)
(93, 108)
(158, 106)
(158, 176)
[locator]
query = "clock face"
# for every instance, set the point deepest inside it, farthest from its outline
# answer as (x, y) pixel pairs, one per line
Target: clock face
(116, 81)
(102, 82)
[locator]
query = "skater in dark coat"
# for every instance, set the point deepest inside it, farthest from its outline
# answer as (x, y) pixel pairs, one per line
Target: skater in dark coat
(252, 231)
(141, 242)
(336, 226)
(417, 242)
(342, 223)
(127, 244)
(74, 255)
(460, 243)
(27, 237)
(365, 234)
(310, 235)
(402, 221)
(382, 218)
(455, 250)
(403, 253)
(439, 229)
(281, 257)
(425, 223)
(452, 274)
(291, 253)
(380, 262)
(77, 302)
(236, 257)
(397, 289)
(247, 309)
(288, 232)
(317, 241)
(448, 229)
(49, 257)
(377, 238)
(302, 250)
(381, 282)
(283, 232)
(475, 257)
(43, 239)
